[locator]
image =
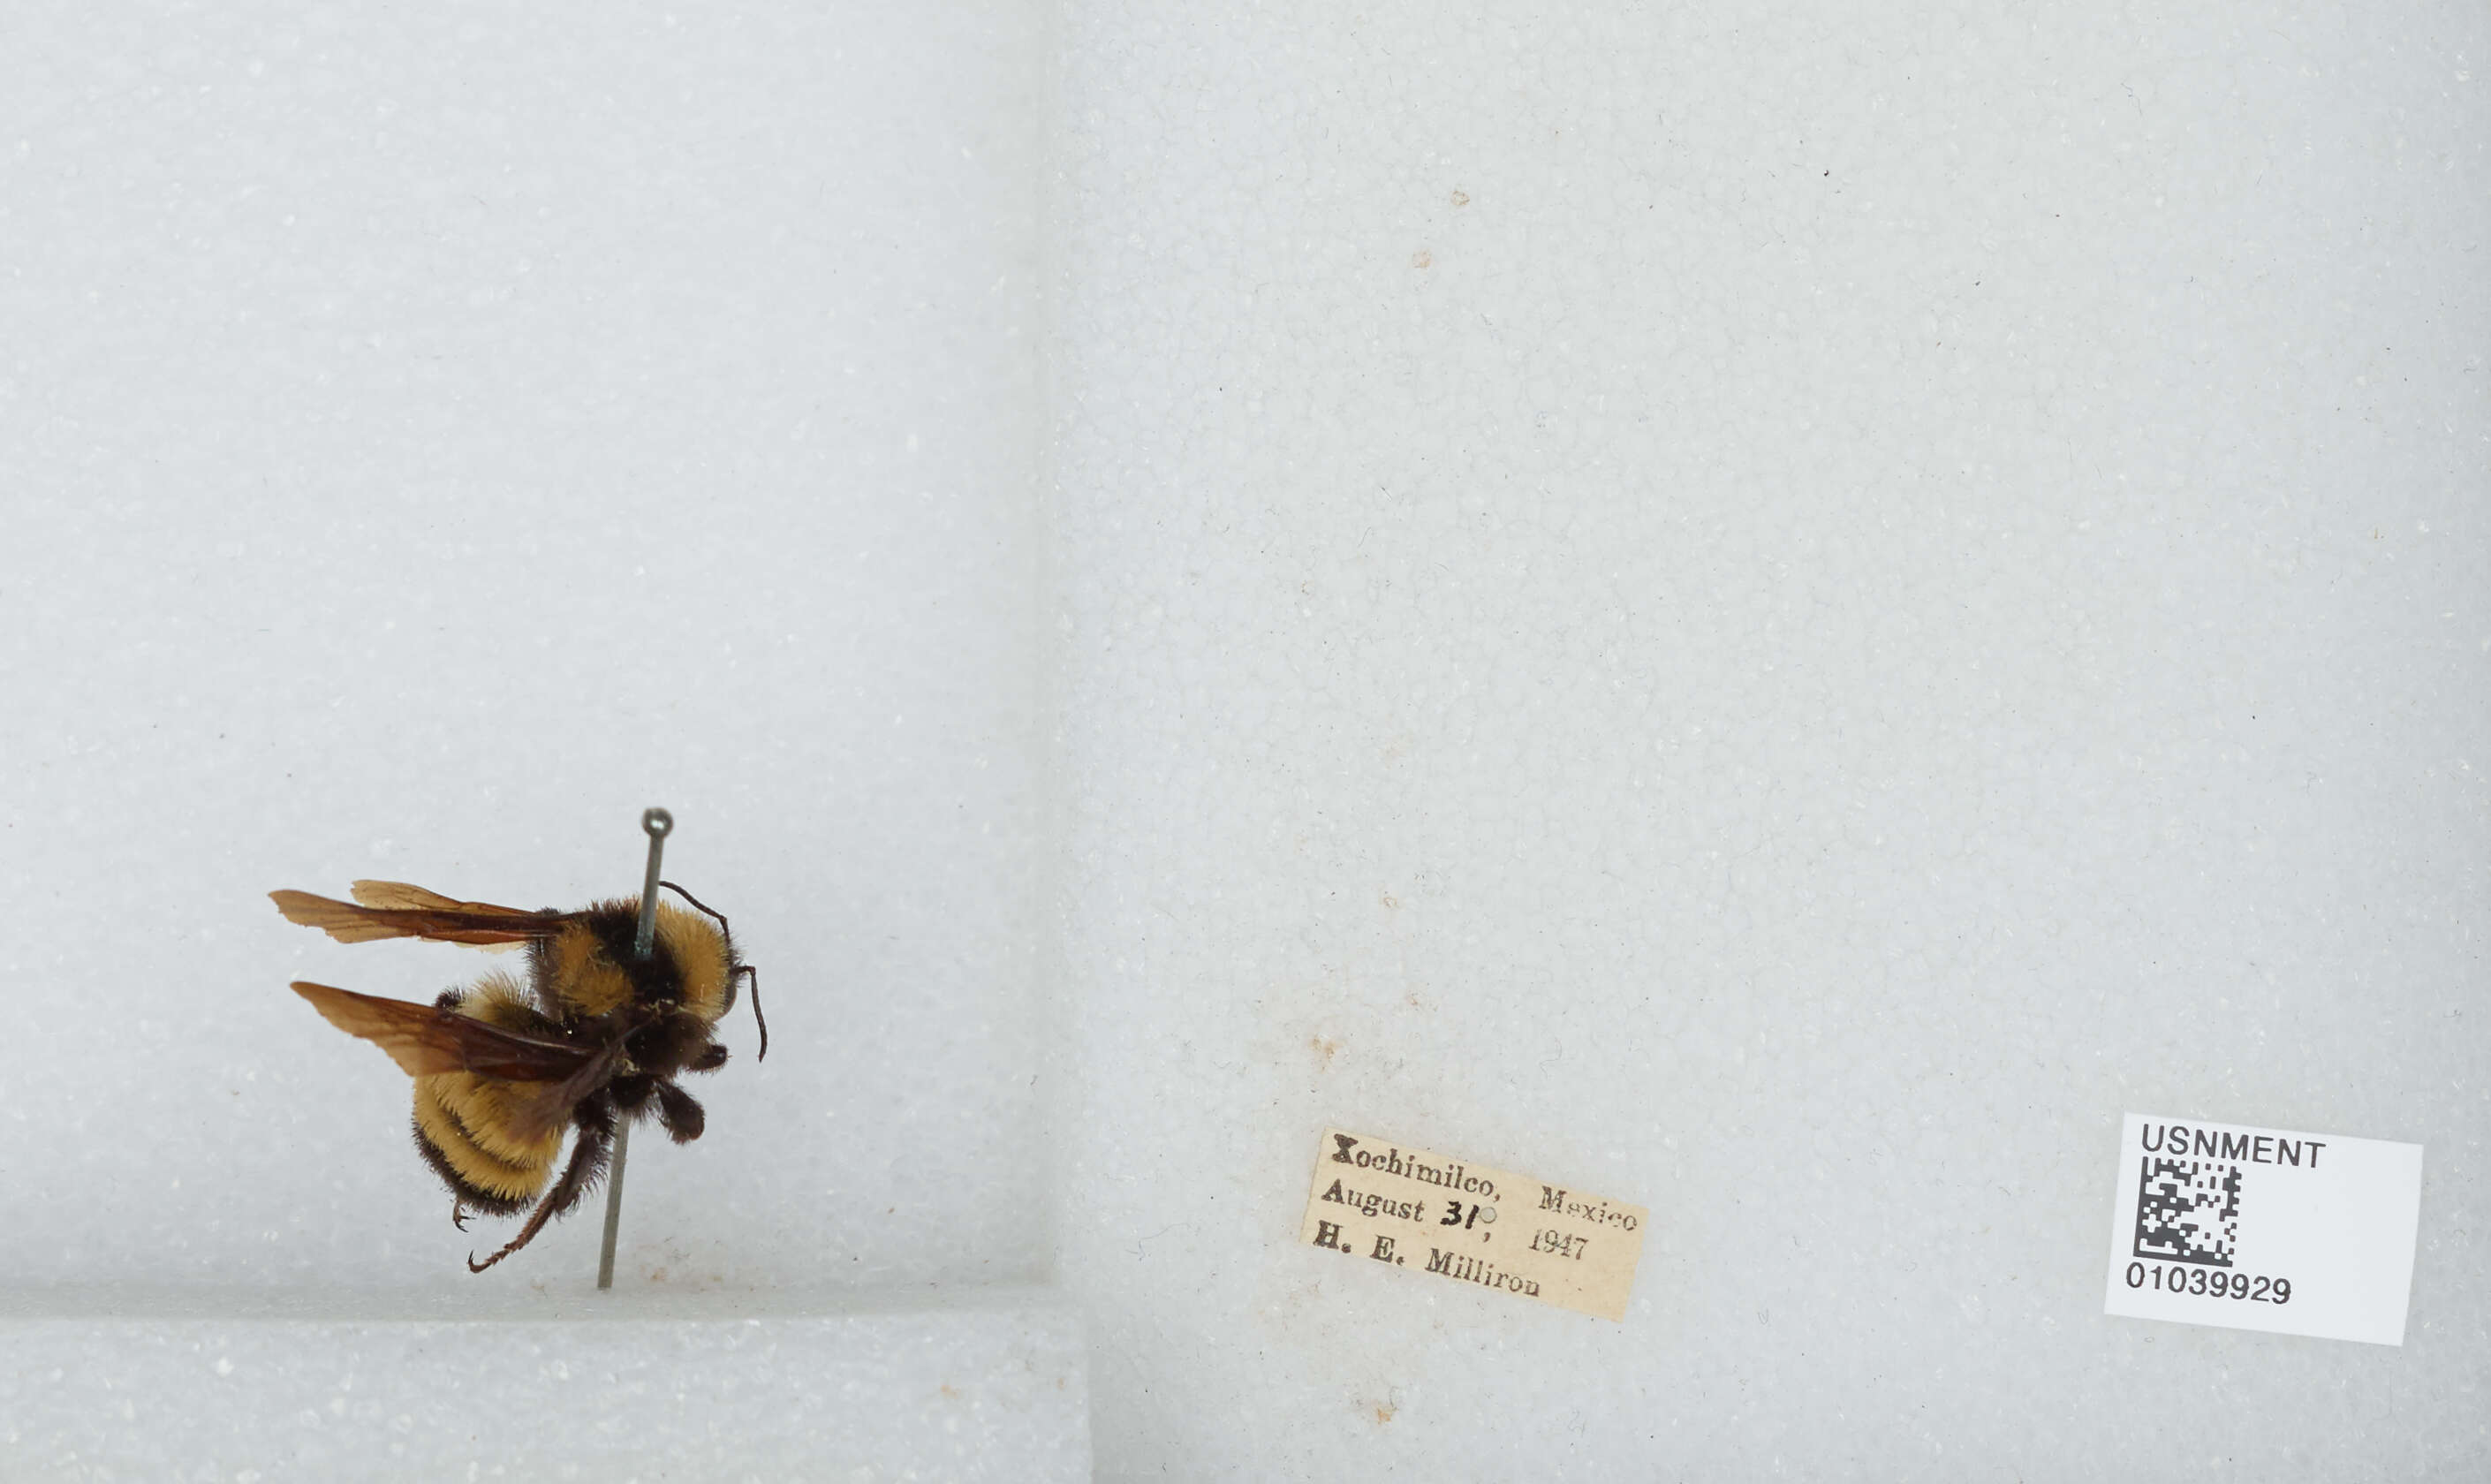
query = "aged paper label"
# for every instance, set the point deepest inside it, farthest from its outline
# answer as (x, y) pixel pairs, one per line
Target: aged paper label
(2264, 1229)
(1458, 1222)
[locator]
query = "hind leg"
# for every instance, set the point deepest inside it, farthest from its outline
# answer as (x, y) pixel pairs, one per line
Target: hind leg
(588, 1154)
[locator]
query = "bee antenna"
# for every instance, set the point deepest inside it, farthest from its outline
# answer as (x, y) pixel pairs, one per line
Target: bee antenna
(698, 904)
(754, 975)
(743, 969)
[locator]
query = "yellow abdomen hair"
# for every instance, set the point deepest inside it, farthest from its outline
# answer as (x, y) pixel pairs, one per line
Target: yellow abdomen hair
(464, 1122)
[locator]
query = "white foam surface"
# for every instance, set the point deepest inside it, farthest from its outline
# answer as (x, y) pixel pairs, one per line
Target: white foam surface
(430, 439)
(426, 439)
(613, 1387)
(1778, 612)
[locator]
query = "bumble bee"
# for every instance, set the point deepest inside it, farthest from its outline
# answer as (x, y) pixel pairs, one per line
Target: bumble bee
(595, 1036)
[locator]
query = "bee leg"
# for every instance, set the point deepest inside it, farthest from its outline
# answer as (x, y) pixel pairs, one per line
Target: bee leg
(458, 1213)
(712, 1057)
(594, 1117)
(680, 1112)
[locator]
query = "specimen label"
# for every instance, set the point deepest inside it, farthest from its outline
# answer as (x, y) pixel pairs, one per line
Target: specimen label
(2264, 1229)
(1450, 1220)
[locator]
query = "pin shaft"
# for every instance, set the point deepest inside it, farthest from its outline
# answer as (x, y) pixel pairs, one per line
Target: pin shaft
(657, 824)
(613, 1204)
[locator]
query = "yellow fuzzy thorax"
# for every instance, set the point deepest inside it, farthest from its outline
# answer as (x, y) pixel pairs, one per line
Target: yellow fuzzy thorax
(590, 983)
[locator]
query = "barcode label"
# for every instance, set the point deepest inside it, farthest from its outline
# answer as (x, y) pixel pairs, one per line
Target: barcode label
(2262, 1229)
(2188, 1210)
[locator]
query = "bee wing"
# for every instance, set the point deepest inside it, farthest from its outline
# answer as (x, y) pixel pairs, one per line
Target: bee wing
(424, 915)
(426, 1040)
(548, 1109)
(407, 896)
(404, 896)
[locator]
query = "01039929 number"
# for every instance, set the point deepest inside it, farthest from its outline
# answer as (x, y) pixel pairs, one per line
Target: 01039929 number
(2212, 1283)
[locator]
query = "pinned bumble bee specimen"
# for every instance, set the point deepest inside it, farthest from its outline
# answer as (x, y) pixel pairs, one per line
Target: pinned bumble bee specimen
(620, 998)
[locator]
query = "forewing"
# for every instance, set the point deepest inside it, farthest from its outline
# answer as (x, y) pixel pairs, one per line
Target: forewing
(374, 915)
(426, 1040)
(406, 896)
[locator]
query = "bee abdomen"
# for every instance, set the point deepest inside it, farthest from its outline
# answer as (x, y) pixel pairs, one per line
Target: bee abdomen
(461, 1133)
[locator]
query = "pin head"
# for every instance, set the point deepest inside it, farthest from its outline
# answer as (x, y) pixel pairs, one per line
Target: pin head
(658, 824)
